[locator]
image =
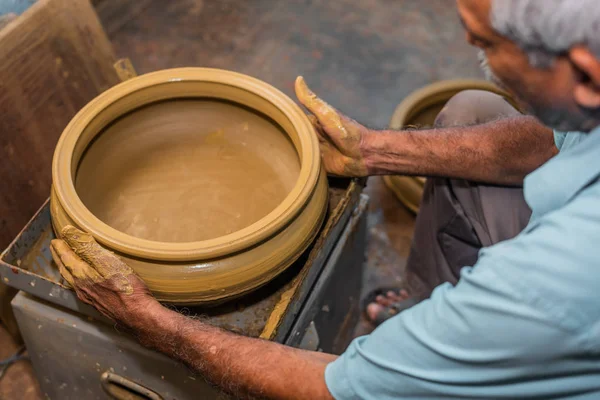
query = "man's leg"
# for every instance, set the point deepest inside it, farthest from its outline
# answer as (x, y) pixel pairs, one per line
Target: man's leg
(457, 218)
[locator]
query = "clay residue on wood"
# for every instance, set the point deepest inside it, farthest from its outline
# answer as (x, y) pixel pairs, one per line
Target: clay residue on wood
(187, 170)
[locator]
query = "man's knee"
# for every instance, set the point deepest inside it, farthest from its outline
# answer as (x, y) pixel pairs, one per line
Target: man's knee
(471, 107)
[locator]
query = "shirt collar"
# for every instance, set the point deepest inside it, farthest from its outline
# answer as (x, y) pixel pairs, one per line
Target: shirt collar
(556, 182)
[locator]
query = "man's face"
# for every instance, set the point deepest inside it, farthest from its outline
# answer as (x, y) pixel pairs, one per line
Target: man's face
(547, 93)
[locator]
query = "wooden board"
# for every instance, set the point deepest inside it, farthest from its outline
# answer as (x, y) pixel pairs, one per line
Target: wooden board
(54, 58)
(115, 14)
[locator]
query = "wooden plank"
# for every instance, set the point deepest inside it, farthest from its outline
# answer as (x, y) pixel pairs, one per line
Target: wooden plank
(125, 69)
(55, 58)
(115, 14)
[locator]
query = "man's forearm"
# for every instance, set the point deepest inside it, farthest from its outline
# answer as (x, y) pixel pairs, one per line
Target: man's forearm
(498, 152)
(239, 365)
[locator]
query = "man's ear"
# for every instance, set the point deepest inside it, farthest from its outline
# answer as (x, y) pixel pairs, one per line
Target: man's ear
(587, 89)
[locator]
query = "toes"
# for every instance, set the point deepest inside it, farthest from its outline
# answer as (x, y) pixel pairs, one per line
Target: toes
(373, 311)
(387, 298)
(393, 296)
(383, 300)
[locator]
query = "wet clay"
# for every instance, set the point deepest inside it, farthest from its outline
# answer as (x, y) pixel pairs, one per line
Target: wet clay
(187, 170)
(82, 261)
(339, 136)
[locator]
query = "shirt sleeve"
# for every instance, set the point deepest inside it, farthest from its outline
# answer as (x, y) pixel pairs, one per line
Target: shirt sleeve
(517, 318)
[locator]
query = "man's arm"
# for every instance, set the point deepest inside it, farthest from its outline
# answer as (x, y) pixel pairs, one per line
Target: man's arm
(241, 366)
(518, 324)
(499, 152)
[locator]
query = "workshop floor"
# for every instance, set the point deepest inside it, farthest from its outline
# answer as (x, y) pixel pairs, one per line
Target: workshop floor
(363, 57)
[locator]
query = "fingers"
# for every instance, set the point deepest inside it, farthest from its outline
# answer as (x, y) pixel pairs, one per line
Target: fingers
(106, 263)
(315, 123)
(310, 100)
(78, 272)
(328, 116)
(61, 268)
(321, 136)
(307, 97)
(78, 240)
(77, 268)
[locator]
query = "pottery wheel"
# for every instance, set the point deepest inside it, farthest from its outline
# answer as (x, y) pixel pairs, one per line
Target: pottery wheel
(187, 170)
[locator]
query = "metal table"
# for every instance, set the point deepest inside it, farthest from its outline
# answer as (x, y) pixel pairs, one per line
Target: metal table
(76, 353)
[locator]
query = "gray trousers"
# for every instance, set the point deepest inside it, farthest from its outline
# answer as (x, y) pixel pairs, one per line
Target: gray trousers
(457, 218)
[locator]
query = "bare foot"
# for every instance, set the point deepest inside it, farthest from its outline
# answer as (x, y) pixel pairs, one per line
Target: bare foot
(382, 302)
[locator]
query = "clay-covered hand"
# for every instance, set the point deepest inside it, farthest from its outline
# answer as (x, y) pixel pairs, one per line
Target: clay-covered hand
(341, 139)
(99, 277)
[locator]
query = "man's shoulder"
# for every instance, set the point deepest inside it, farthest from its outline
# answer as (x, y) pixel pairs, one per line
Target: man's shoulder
(553, 263)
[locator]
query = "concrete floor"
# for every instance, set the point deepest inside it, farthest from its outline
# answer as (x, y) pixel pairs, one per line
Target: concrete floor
(18, 382)
(363, 57)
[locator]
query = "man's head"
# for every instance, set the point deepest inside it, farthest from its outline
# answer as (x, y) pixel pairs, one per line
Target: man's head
(545, 52)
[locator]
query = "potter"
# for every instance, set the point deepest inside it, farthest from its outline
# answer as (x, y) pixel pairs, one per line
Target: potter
(508, 303)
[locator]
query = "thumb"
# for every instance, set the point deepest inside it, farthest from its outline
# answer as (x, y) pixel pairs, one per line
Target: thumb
(328, 117)
(106, 263)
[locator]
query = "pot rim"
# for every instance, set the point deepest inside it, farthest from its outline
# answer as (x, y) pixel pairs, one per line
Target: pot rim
(307, 148)
(431, 94)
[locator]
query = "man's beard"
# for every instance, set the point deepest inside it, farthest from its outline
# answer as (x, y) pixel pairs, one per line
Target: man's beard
(562, 120)
(559, 119)
(487, 71)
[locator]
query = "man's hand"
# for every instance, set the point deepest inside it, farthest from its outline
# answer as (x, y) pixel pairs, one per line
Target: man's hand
(241, 366)
(100, 278)
(501, 152)
(341, 139)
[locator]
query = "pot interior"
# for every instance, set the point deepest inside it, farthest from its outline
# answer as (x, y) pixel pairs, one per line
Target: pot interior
(189, 169)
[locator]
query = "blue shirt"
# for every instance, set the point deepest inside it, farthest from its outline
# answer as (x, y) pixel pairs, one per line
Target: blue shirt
(523, 323)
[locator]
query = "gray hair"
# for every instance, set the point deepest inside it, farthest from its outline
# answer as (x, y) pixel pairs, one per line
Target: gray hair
(547, 28)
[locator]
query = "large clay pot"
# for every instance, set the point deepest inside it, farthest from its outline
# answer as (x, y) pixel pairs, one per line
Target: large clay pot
(419, 110)
(141, 133)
